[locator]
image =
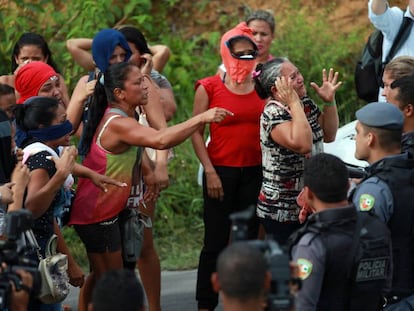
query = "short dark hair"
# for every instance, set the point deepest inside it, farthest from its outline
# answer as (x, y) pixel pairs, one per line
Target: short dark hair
(388, 140)
(327, 177)
(6, 89)
(118, 290)
(241, 270)
(405, 93)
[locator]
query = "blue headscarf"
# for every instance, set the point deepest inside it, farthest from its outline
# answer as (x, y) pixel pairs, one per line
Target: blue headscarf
(104, 44)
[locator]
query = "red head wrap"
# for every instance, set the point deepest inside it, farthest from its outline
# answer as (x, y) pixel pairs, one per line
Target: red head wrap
(30, 78)
(238, 70)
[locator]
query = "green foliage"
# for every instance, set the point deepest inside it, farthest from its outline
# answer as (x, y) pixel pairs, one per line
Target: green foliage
(315, 46)
(303, 35)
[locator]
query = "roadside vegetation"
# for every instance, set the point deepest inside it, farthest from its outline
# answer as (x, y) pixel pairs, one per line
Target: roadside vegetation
(303, 35)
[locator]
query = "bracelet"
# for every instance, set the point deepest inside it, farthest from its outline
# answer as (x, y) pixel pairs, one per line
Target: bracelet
(331, 104)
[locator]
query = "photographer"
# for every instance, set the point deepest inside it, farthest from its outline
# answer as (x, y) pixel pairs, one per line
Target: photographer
(242, 278)
(326, 248)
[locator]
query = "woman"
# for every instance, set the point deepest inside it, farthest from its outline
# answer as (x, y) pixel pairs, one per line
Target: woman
(38, 79)
(232, 160)
(262, 24)
(291, 128)
(111, 138)
(145, 60)
(108, 47)
(43, 122)
(149, 263)
(105, 46)
(29, 48)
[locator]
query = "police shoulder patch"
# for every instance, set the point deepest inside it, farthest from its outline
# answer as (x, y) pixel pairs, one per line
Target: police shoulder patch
(366, 202)
(305, 268)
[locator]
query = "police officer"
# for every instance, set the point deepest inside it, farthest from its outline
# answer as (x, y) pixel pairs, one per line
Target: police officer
(388, 189)
(326, 247)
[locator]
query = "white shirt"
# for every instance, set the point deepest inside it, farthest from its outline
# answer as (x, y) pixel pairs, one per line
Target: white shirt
(389, 23)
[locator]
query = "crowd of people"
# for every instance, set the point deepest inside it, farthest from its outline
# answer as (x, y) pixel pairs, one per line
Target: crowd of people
(265, 149)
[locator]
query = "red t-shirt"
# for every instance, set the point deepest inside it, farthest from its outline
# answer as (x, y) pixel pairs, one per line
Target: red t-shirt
(235, 141)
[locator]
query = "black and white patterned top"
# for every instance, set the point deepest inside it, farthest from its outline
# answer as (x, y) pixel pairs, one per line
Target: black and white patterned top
(283, 168)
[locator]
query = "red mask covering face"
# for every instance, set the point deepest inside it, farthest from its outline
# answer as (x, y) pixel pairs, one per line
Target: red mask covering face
(238, 67)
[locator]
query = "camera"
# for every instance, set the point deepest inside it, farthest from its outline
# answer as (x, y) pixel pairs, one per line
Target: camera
(279, 297)
(16, 256)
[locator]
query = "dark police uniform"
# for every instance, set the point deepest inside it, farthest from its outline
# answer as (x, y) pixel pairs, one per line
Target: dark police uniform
(324, 250)
(388, 191)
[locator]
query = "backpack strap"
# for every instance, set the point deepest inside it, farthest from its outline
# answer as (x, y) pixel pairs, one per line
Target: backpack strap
(401, 37)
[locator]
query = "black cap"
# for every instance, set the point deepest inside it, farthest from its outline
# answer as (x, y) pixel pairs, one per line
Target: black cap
(381, 115)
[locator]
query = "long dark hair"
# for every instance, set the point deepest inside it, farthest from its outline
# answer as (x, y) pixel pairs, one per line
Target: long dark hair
(31, 38)
(133, 35)
(114, 77)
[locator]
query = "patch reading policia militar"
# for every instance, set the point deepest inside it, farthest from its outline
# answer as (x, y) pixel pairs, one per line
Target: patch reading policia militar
(372, 269)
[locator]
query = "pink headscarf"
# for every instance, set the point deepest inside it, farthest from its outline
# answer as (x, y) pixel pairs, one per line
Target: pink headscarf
(30, 78)
(237, 69)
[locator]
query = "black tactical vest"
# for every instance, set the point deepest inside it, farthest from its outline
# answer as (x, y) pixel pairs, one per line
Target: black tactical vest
(399, 176)
(357, 258)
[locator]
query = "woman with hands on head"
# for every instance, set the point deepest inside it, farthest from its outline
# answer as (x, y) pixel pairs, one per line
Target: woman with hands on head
(114, 141)
(292, 127)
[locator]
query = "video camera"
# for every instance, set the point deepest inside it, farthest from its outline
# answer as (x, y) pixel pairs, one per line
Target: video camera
(279, 297)
(16, 256)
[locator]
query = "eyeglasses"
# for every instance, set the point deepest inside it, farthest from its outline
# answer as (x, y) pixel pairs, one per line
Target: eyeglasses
(244, 55)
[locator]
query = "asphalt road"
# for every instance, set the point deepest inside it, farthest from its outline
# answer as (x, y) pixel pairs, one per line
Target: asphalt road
(177, 292)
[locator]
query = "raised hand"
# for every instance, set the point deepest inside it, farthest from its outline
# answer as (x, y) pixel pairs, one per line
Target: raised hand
(6, 193)
(21, 175)
(66, 162)
(145, 63)
(285, 92)
(329, 86)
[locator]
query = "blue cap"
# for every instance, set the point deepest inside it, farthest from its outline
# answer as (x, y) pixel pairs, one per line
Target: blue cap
(381, 115)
